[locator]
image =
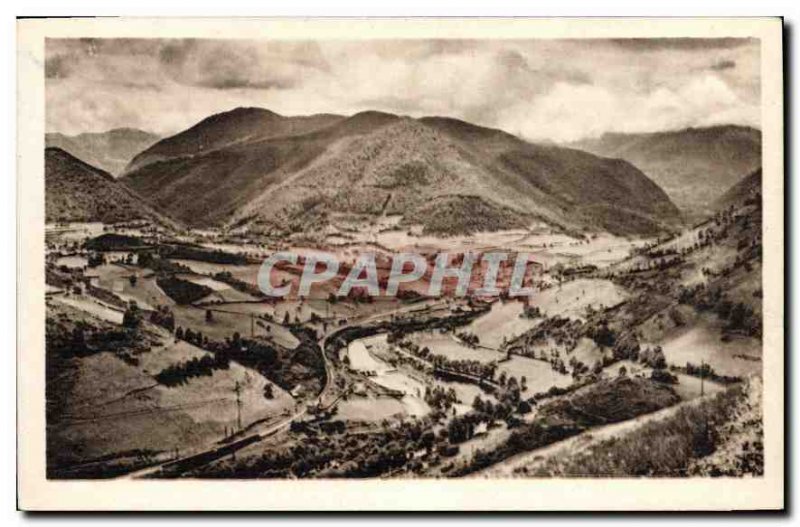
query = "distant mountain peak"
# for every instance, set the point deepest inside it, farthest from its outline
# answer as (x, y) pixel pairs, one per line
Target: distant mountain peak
(710, 129)
(61, 154)
(109, 151)
(374, 114)
(693, 165)
(245, 111)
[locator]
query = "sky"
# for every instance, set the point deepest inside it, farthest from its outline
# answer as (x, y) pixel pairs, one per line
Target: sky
(542, 90)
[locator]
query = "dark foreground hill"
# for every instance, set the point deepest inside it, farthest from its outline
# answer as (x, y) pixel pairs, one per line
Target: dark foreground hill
(77, 191)
(694, 166)
(284, 174)
(109, 151)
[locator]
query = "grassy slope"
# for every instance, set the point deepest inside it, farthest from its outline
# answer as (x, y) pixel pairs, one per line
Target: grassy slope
(720, 435)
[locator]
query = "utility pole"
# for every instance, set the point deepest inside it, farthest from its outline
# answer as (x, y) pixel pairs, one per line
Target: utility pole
(238, 390)
(252, 325)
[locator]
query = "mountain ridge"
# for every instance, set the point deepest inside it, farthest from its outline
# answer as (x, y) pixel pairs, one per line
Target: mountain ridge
(110, 151)
(693, 165)
(289, 173)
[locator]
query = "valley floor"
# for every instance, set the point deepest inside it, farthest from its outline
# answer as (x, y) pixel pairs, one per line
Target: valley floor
(634, 358)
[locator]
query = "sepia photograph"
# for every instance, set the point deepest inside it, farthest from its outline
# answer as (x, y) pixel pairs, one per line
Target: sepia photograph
(421, 254)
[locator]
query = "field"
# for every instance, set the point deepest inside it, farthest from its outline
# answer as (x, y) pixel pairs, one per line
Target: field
(116, 278)
(503, 321)
(73, 262)
(448, 346)
(539, 375)
(246, 273)
(370, 409)
(92, 306)
(378, 406)
(220, 291)
(113, 408)
(361, 360)
(226, 320)
(739, 356)
(572, 298)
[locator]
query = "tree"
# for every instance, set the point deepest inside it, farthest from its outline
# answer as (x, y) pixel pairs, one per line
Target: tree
(209, 316)
(132, 317)
(598, 368)
(604, 336)
(459, 430)
(133, 279)
(163, 317)
(78, 339)
(96, 260)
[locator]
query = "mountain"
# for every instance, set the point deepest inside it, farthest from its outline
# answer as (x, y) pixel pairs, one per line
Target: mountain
(109, 151)
(694, 165)
(253, 167)
(76, 191)
(749, 187)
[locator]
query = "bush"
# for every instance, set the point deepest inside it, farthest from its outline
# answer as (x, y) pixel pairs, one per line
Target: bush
(663, 376)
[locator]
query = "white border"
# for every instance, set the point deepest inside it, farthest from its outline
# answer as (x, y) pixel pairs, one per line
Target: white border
(36, 493)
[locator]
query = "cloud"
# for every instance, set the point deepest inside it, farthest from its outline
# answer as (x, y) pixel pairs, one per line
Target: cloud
(57, 67)
(220, 64)
(541, 89)
(572, 112)
(723, 65)
(693, 44)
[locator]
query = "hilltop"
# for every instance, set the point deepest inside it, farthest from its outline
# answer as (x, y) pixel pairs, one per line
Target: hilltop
(226, 129)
